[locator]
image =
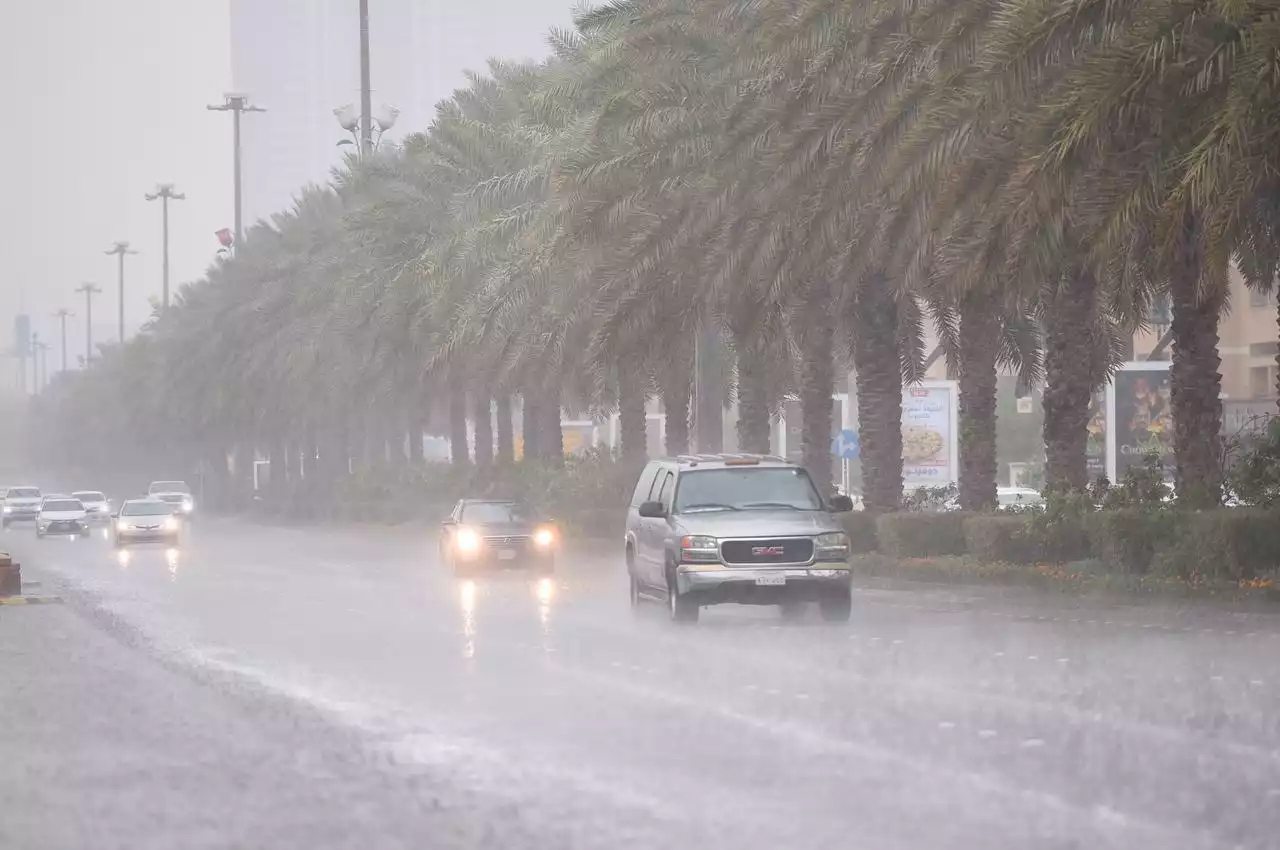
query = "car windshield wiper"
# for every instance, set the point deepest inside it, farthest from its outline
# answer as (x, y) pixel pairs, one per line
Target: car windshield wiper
(786, 505)
(707, 506)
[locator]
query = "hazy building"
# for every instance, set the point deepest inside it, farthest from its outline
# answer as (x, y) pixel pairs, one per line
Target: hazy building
(300, 59)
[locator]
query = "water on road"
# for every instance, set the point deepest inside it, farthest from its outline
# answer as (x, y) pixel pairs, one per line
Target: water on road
(546, 714)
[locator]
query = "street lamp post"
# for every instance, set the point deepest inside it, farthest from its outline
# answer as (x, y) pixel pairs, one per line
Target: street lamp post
(363, 124)
(119, 249)
(89, 291)
(164, 192)
(35, 363)
(236, 104)
(61, 315)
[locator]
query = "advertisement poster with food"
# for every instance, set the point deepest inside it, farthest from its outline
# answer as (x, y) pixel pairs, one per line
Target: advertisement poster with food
(1096, 441)
(1143, 422)
(928, 434)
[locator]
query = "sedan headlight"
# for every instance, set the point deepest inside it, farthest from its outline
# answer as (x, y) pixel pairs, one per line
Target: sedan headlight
(121, 525)
(544, 537)
(188, 506)
(170, 524)
(8, 509)
(699, 548)
(831, 547)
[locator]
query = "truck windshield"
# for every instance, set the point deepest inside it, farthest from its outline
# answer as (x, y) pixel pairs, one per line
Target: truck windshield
(746, 488)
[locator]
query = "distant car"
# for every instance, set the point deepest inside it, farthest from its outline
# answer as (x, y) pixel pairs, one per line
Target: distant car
(61, 515)
(485, 534)
(97, 507)
(176, 494)
(21, 504)
(1016, 498)
(750, 529)
(146, 521)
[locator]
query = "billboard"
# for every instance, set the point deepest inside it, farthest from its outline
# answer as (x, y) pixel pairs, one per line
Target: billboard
(1140, 413)
(1096, 439)
(930, 449)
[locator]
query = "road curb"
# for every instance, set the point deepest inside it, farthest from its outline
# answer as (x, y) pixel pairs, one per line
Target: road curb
(29, 600)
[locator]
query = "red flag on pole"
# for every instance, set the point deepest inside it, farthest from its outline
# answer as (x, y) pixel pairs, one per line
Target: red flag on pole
(224, 237)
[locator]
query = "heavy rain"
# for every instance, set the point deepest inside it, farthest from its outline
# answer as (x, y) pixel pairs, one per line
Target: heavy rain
(752, 424)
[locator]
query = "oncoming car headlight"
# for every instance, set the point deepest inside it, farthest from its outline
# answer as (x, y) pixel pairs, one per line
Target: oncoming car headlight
(8, 509)
(831, 547)
(170, 524)
(122, 526)
(544, 537)
(467, 541)
(188, 506)
(699, 548)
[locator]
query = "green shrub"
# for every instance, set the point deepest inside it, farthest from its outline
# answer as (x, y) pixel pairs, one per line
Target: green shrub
(922, 535)
(1216, 545)
(1061, 529)
(861, 528)
(1001, 538)
(1127, 539)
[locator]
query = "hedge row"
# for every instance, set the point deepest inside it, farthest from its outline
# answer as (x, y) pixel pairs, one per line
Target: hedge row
(1232, 544)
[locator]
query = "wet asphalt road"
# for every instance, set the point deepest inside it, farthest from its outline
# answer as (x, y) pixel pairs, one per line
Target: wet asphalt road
(336, 688)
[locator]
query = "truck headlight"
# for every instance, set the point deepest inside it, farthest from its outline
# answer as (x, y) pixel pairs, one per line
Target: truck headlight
(697, 548)
(831, 547)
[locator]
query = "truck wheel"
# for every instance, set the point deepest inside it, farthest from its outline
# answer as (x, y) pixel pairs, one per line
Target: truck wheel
(836, 606)
(683, 607)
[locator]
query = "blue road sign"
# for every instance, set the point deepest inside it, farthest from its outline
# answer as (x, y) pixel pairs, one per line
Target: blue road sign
(846, 445)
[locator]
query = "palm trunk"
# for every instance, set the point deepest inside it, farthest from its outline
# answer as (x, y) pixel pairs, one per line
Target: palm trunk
(459, 453)
(677, 391)
(1070, 379)
(753, 400)
(1196, 384)
(817, 382)
(484, 430)
(414, 433)
(879, 382)
(708, 414)
(531, 426)
(979, 346)
(632, 433)
(554, 433)
(506, 431)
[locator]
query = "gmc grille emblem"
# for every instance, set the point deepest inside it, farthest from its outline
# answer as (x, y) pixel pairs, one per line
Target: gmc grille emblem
(769, 551)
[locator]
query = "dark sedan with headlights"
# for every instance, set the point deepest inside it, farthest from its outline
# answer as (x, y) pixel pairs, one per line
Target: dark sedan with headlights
(483, 535)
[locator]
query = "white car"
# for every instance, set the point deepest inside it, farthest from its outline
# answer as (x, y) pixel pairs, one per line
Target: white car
(146, 521)
(97, 507)
(176, 494)
(1011, 498)
(61, 515)
(21, 504)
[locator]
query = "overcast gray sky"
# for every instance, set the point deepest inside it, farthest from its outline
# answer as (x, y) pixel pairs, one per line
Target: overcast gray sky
(104, 98)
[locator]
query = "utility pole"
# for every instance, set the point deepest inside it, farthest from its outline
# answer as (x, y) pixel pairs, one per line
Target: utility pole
(44, 364)
(61, 315)
(119, 249)
(89, 291)
(164, 192)
(237, 104)
(366, 94)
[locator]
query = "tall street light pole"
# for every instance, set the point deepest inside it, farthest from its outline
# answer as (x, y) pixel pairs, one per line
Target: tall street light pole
(236, 104)
(366, 93)
(119, 249)
(89, 291)
(164, 192)
(61, 315)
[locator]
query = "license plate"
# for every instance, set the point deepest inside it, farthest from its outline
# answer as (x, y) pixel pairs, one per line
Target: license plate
(507, 555)
(771, 581)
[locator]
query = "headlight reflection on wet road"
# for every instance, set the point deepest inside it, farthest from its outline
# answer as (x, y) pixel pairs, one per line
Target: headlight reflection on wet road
(171, 557)
(467, 598)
